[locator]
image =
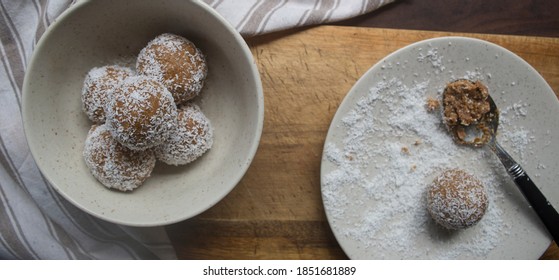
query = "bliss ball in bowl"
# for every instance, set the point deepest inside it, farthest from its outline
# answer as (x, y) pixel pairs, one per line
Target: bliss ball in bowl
(98, 84)
(96, 33)
(177, 63)
(141, 113)
(114, 165)
(190, 138)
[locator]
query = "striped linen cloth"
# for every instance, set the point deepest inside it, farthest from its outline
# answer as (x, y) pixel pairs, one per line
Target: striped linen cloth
(37, 223)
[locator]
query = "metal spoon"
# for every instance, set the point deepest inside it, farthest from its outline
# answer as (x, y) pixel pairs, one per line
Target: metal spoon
(537, 200)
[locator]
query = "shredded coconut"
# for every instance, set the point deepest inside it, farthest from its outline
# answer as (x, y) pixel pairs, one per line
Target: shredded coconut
(375, 195)
(141, 113)
(175, 62)
(189, 139)
(432, 56)
(115, 166)
(98, 84)
(456, 199)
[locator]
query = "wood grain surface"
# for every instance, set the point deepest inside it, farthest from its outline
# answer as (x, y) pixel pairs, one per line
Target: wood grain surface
(276, 211)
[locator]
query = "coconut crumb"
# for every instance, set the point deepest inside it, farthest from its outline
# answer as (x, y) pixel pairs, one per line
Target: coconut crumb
(405, 150)
(432, 104)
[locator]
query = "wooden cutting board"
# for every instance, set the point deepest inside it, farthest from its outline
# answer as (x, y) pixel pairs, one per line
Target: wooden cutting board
(276, 211)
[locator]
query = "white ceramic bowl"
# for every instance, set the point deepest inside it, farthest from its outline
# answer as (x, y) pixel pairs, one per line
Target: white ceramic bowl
(99, 32)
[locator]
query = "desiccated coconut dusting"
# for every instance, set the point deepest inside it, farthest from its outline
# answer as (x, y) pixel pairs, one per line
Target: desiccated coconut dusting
(190, 139)
(375, 194)
(98, 84)
(141, 113)
(138, 112)
(177, 63)
(456, 199)
(114, 165)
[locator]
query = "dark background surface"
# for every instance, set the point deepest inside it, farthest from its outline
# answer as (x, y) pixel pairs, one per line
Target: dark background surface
(511, 17)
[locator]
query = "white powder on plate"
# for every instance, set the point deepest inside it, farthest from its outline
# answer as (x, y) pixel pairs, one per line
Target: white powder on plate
(375, 193)
(433, 57)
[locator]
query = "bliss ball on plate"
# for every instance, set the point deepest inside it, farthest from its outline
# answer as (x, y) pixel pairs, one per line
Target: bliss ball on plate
(177, 63)
(114, 165)
(456, 199)
(98, 84)
(190, 139)
(141, 113)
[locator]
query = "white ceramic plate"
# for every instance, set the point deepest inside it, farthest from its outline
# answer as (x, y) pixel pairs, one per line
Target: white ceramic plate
(100, 32)
(383, 148)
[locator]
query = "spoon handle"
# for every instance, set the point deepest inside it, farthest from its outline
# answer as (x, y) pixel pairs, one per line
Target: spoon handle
(537, 200)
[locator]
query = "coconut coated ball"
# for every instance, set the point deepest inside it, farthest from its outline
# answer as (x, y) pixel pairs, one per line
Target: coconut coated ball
(141, 113)
(98, 84)
(114, 165)
(456, 199)
(190, 139)
(177, 63)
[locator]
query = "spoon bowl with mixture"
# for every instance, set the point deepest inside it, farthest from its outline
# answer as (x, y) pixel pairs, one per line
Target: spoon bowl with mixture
(483, 132)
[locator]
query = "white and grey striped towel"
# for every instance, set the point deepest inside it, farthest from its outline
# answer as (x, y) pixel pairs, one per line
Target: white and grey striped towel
(35, 222)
